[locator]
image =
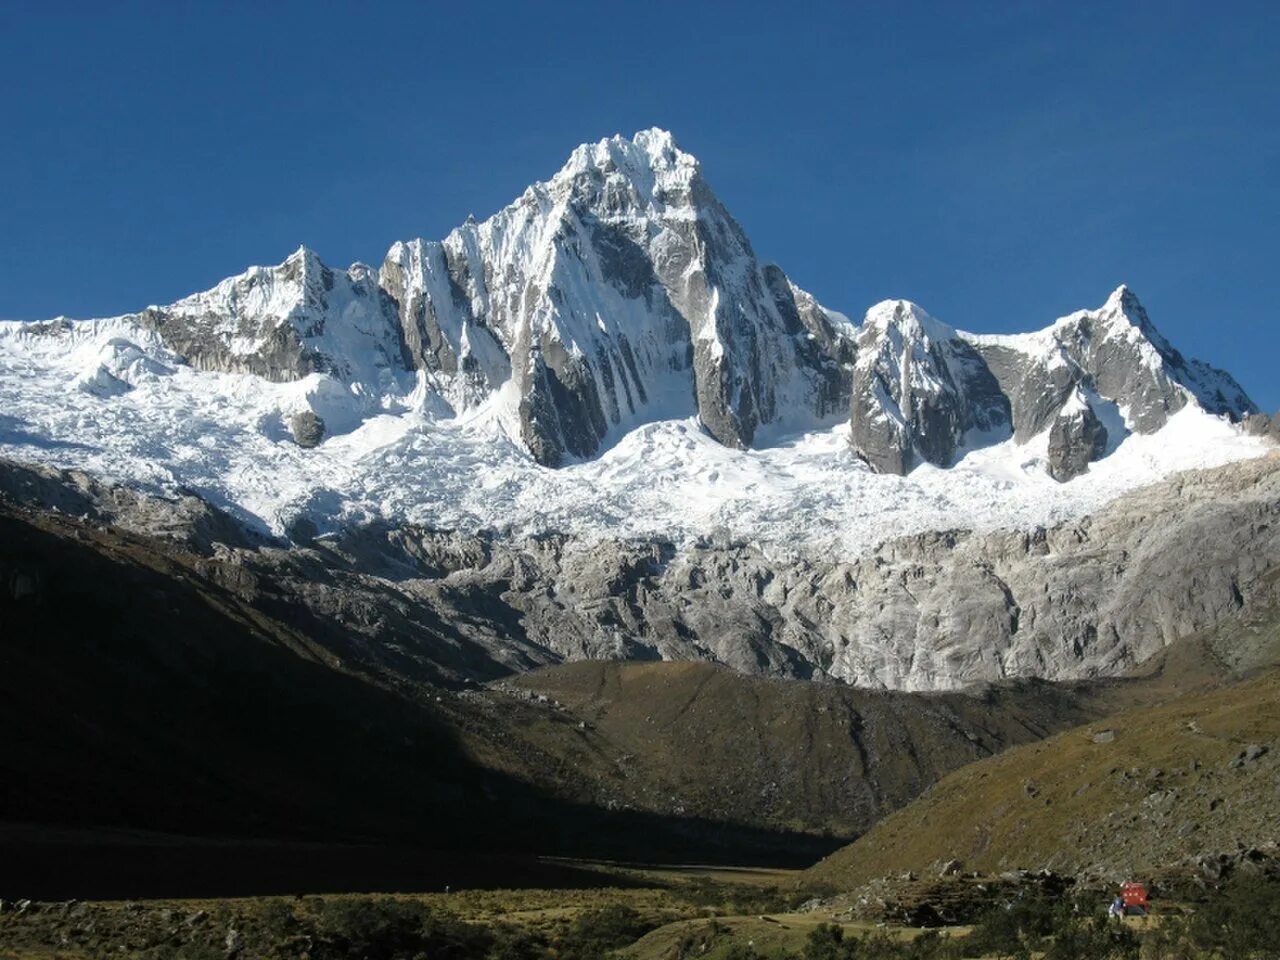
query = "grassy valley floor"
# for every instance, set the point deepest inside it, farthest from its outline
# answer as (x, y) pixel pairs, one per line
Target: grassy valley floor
(663, 914)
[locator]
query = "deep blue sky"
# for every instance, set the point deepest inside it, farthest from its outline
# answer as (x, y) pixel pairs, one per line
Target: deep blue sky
(1000, 163)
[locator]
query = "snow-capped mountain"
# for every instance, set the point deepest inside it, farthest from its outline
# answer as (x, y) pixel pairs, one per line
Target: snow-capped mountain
(283, 323)
(613, 323)
(1090, 379)
(616, 293)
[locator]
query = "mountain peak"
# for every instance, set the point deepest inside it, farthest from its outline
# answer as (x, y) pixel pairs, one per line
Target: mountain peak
(1125, 303)
(304, 258)
(1121, 315)
(650, 162)
(1124, 316)
(657, 143)
(1121, 294)
(620, 292)
(910, 319)
(655, 146)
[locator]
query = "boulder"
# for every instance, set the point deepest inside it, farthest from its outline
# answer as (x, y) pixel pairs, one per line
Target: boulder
(307, 429)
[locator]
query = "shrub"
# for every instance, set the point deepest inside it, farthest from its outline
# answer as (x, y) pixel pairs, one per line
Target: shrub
(1093, 938)
(597, 932)
(1010, 930)
(382, 928)
(828, 942)
(825, 942)
(1240, 922)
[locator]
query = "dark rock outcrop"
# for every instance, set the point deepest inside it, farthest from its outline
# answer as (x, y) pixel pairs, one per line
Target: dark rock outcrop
(1076, 439)
(918, 389)
(307, 429)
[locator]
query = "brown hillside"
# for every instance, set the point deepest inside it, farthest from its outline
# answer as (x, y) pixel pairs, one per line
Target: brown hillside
(1144, 789)
(698, 739)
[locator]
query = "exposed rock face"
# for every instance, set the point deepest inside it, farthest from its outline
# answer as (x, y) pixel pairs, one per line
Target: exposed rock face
(187, 520)
(1076, 439)
(1262, 425)
(283, 323)
(1131, 364)
(934, 611)
(307, 429)
(928, 612)
(1114, 351)
(918, 388)
(618, 292)
(621, 292)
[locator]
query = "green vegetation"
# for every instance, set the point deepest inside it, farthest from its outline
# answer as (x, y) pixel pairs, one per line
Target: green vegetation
(1134, 793)
(734, 899)
(1054, 930)
(1239, 922)
(470, 925)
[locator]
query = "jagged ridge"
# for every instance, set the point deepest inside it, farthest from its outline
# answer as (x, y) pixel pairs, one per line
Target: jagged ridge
(621, 292)
(923, 391)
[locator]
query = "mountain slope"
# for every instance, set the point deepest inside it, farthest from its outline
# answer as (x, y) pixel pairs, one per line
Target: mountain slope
(922, 612)
(1124, 796)
(153, 697)
(698, 739)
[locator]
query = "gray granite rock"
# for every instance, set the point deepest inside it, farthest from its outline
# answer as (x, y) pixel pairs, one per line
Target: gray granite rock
(1088, 598)
(918, 390)
(1263, 425)
(307, 429)
(1114, 352)
(1076, 439)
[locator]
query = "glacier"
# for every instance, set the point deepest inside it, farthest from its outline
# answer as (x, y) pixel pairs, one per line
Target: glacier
(606, 357)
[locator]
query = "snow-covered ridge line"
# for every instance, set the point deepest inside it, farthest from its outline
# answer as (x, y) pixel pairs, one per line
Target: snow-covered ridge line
(613, 321)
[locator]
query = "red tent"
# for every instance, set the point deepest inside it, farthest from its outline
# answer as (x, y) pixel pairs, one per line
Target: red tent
(1134, 896)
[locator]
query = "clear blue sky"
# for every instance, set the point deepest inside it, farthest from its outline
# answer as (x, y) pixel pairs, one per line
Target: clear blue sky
(999, 163)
